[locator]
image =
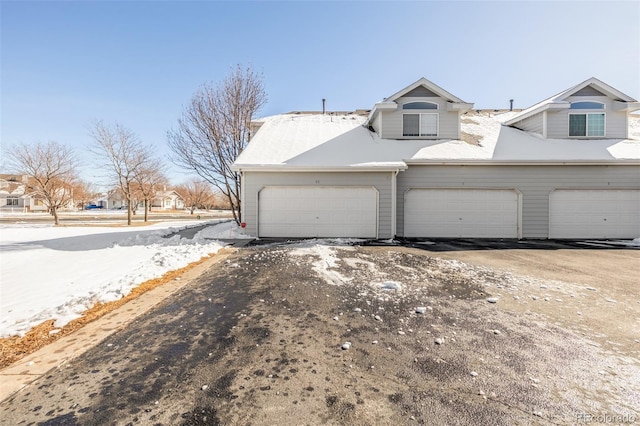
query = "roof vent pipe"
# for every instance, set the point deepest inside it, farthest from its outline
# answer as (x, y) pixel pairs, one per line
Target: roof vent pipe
(323, 105)
(510, 104)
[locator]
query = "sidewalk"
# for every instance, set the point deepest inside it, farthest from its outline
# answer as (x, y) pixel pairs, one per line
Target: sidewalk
(30, 368)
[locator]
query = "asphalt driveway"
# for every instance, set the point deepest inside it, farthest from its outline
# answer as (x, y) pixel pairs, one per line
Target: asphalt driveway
(322, 334)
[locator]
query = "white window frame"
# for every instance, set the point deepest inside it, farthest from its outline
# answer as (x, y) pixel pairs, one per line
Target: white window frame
(604, 106)
(586, 130)
(13, 201)
(420, 102)
(420, 114)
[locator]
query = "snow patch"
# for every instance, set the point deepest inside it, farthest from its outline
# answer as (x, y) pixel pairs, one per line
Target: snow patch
(58, 273)
(325, 266)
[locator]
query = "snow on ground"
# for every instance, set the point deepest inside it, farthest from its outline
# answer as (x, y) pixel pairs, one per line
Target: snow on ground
(49, 272)
(325, 251)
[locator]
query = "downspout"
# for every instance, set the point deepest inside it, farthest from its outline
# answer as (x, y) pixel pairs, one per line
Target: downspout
(243, 217)
(393, 203)
(544, 124)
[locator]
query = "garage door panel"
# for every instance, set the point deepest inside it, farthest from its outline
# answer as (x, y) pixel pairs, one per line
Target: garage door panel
(582, 213)
(318, 212)
(470, 213)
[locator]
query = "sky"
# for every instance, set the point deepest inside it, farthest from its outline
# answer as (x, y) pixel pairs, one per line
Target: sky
(65, 65)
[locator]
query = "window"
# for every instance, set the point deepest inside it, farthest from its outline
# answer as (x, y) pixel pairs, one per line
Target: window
(12, 201)
(591, 124)
(587, 105)
(420, 124)
(420, 105)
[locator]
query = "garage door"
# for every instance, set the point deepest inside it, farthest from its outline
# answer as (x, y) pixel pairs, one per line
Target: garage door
(302, 211)
(585, 213)
(469, 213)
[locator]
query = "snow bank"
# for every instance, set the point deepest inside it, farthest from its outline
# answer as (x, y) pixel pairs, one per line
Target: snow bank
(58, 272)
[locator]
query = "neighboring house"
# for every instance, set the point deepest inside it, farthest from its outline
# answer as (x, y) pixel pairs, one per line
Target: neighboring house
(12, 188)
(114, 200)
(167, 200)
(424, 164)
(163, 200)
(15, 198)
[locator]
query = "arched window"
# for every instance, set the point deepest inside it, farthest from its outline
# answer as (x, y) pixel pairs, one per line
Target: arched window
(420, 105)
(587, 105)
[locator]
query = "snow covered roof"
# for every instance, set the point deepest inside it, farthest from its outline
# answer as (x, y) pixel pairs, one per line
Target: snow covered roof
(557, 101)
(342, 142)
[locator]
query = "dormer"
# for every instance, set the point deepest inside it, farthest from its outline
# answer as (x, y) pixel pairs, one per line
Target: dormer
(589, 110)
(422, 110)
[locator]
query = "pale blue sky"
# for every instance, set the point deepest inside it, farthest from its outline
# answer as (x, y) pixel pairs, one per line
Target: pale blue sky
(67, 64)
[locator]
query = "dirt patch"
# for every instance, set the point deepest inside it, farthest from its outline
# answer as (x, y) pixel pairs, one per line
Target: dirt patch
(471, 138)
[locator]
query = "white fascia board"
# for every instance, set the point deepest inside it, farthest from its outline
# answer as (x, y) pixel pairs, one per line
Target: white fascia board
(541, 108)
(522, 162)
(603, 87)
(429, 85)
(356, 169)
(626, 106)
(459, 106)
(384, 105)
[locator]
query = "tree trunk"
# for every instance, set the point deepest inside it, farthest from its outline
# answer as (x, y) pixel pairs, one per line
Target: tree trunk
(128, 212)
(54, 212)
(146, 210)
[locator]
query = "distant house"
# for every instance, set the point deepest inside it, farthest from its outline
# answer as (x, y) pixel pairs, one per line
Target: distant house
(114, 199)
(12, 189)
(167, 200)
(424, 164)
(17, 195)
(163, 200)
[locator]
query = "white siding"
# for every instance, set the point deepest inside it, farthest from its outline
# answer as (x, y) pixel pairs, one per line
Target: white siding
(448, 121)
(377, 122)
(535, 183)
(255, 181)
(615, 126)
(533, 124)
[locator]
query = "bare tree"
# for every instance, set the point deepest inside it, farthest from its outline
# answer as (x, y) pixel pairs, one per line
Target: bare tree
(149, 180)
(196, 193)
(123, 156)
(83, 192)
(218, 202)
(214, 130)
(51, 168)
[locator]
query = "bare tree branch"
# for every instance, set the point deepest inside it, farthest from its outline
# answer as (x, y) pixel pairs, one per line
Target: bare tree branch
(149, 180)
(214, 130)
(196, 194)
(51, 168)
(123, 156)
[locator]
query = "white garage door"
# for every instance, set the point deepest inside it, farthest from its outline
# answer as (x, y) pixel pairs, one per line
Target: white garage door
(326, 211)
(582, 213)
(469, 213)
